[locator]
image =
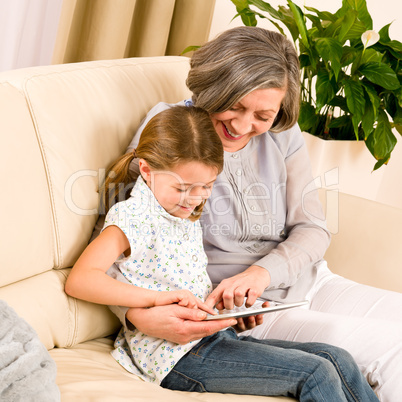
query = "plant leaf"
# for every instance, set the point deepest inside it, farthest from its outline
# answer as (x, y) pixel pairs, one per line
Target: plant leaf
(381, 162)
(384, 33)
(189, 49)
(262, 5)
(373, 97)
(390, 104)
(356, 103)
(332, 28)
(339, 101)
(380, 74)
(323, 15)
(307, 117)
(340, 121)
(386, 40)
(371, 56)
(346, 26)
(381, 141)
(356, 31)
(316, 22)
(240, 4)
(354, 97)
(398, 95)
(324, 89)
(348, 55)
(368, 118)
(331, 51)
(394, 45)
(301, 25)
(398, 116)
(361, 7)
(384, 47)
(358, 27)
(283, 15)
(247, 16)
(304, 60)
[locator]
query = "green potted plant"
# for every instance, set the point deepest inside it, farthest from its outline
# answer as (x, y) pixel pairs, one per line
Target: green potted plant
(350, 75)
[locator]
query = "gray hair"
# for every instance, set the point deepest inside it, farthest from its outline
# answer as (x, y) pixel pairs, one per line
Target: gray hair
(241, 60)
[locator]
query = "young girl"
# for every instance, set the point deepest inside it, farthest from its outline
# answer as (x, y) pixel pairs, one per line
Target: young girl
(156, 240)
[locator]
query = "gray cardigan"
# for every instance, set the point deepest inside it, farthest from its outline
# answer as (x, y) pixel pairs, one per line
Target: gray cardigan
(264, 210)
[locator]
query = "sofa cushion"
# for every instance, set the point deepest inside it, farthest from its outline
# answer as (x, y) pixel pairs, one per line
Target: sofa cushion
(58, 320)
(87, 372)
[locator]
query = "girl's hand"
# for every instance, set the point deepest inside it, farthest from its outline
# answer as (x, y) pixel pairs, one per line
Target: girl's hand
(183, 298)
(249, 285)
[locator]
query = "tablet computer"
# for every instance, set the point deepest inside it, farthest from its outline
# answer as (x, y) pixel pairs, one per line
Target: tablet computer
(255, 309)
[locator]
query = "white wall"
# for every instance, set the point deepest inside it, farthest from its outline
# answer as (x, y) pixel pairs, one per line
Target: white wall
(382, 12)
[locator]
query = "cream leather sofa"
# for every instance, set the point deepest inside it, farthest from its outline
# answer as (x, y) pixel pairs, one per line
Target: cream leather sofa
(60, 127)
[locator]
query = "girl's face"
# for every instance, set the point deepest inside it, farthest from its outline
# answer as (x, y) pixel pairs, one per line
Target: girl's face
(181, 189)
(251, 116)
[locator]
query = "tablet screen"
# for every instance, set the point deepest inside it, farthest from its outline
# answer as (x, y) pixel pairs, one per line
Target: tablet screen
(243, 311)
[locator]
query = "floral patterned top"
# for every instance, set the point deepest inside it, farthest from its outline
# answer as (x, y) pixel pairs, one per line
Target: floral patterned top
(166, 254)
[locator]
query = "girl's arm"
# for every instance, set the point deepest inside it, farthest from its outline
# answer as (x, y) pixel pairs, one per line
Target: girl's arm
(88, 279)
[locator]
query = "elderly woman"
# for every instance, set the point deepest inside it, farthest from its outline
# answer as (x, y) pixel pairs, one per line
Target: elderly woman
(264, 229)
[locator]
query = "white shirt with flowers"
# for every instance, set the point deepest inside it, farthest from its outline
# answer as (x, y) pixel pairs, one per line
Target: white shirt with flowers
(166, 254)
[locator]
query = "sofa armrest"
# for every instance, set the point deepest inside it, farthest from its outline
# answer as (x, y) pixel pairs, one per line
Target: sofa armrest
(366, 240)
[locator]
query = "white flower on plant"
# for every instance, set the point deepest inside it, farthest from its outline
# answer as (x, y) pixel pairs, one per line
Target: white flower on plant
(369, 38)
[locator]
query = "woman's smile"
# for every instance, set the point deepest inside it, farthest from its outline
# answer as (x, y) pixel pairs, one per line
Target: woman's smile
(229, 134)
(253, 115)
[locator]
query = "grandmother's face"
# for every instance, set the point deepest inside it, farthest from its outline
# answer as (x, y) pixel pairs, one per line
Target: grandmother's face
(251, 116)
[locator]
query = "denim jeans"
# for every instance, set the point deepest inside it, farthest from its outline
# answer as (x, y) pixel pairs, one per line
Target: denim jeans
(227, 363)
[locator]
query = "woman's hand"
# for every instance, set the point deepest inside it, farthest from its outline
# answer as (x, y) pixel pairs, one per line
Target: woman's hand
(175, 323)
(249, 285)
(183, 298)
(246, 323)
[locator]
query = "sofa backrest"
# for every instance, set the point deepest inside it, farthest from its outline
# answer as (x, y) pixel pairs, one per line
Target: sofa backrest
(61, 126)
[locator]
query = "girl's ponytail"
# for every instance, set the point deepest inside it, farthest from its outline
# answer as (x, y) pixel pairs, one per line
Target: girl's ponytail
(119, 181)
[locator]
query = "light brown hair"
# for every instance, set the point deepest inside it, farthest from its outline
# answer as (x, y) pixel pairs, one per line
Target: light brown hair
(176, 135)
(243, 59)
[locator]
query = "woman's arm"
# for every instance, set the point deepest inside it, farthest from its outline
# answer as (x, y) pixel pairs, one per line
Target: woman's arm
(307, 237)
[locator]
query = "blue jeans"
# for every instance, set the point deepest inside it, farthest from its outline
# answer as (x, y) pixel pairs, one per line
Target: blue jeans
(227, 363)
